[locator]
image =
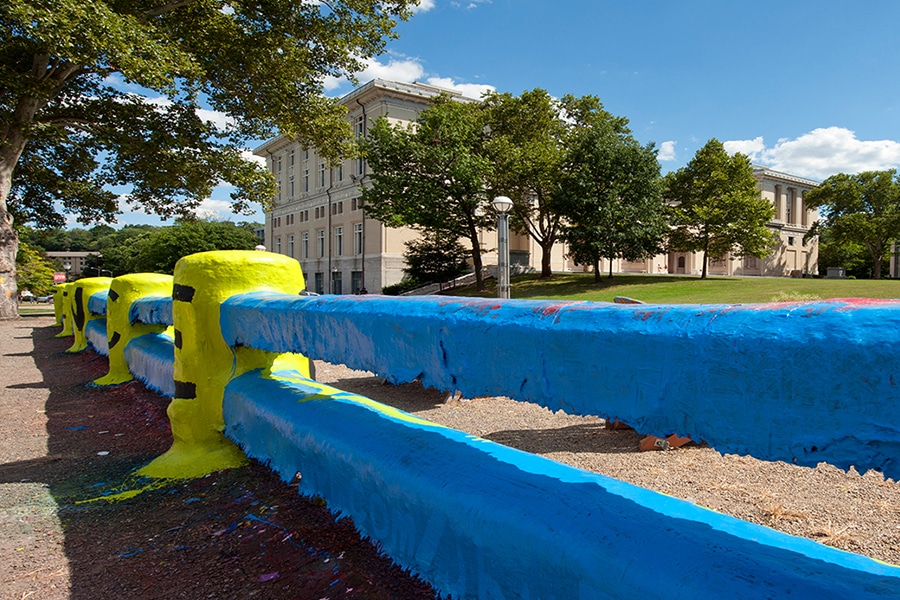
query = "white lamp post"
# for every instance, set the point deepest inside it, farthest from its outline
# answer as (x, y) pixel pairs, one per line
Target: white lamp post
(502, 205)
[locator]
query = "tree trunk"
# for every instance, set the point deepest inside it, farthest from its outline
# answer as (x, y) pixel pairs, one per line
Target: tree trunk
(597, 276)
(12, 145)
(546, 256)
(705, 261)
(877, 254)
(610, 268)
(9, 247)
(476, 258)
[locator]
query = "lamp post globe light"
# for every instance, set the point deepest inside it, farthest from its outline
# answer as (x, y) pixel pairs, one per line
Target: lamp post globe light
(502, 205)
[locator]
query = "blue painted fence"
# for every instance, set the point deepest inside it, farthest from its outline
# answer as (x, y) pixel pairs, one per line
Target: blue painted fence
(802, 382)
(479, 520)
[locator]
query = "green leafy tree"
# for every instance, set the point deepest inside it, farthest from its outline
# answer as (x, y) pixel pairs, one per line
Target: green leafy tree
(159, 250)
(33, 271)
(68, 130)
(853, 257)
(717, 209)
(433, 175)
(862, 210)
(526, 147)
(611, 196)
(530, 137)
(435, 259)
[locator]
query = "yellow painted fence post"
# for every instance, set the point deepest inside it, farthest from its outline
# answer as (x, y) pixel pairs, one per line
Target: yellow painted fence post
(204, 363)
(80, 292)
(119, 329)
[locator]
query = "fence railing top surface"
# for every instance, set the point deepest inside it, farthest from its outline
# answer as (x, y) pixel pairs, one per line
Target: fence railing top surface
(152, 310)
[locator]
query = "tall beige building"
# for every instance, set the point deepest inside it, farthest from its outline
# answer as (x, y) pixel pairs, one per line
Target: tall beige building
(793, 219)
(319, 220)
(318, 217)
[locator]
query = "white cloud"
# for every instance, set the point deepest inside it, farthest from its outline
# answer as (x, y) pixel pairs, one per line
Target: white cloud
(248, 155)
(823, 152)
(424, 6)
(469, 5)
(749, 147)
(470, 90)
(407, 70)
(216, 210)
(667, 150)
(217, 118)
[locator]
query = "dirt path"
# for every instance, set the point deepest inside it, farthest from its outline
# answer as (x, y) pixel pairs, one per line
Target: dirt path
(236, 534)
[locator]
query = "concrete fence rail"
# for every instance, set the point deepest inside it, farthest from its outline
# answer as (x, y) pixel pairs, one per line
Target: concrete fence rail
(480, 520)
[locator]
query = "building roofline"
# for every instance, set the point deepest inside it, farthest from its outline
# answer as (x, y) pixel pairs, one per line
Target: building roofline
(772, 173)
(422, 90)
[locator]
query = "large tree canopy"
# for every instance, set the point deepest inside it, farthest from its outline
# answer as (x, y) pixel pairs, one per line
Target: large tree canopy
(717, 208)
(611, 197)
(530, 137)
(70, 128)
(860, 210)
(433, 175)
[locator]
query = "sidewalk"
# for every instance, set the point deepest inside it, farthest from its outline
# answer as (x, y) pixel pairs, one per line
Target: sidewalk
(65, 446)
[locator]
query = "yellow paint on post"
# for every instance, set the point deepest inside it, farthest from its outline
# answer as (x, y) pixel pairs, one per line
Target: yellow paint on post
(81, 291)
(58, 304)
(204, 363)
(119, 329)
(65, 298)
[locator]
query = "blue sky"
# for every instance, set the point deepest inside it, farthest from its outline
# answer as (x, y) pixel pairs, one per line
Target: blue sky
(806, 87)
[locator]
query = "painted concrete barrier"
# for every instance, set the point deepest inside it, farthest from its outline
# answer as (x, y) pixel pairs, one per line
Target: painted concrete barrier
(481, 520)
(204, 363)
(81, 292)
(786, 381)
(123, 291)
(476, 519)
(66, 312)
(151, 360)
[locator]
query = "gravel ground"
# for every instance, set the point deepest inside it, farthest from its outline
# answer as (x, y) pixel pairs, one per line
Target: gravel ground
(847, 510)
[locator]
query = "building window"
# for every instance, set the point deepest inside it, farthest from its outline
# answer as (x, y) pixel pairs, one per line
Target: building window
(322, 175)
(360, 126)
(338, 241)
(305, 180)
(336, 283)
(357, 238)
(356, 281)
(790, 240)
(320, 243)
(304, 245)
(291, 184)
(291, 246)
(340, 172)
(279, 164)
(306, 154)
(292, 158)
(320, 283)
(278, 245)
(337, 208)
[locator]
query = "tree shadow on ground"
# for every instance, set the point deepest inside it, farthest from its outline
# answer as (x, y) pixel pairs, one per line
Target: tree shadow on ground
(233, 534)
(585, 437)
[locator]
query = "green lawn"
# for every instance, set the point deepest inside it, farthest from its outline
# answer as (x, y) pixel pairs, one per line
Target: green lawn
(671, 289)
